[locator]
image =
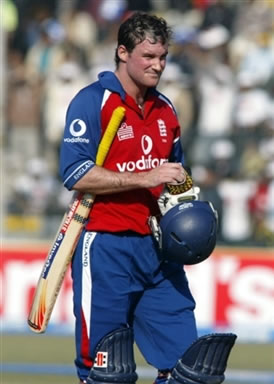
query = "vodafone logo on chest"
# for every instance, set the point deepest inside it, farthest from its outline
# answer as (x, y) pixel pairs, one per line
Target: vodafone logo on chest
(146, 144)
(146, 162)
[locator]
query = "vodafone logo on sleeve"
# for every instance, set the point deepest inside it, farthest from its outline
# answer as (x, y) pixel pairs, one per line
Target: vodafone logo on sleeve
(77, 129)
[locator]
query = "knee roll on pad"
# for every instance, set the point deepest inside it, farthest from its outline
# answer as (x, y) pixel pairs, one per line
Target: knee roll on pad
(204, 362)
(114, 359)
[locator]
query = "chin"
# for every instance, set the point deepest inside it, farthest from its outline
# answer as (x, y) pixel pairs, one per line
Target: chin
(152, 82)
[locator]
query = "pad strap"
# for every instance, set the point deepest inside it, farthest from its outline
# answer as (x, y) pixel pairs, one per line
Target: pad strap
(114, 361)
(205, 360)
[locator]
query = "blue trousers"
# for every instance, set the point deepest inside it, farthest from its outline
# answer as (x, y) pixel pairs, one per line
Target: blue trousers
(118, 281)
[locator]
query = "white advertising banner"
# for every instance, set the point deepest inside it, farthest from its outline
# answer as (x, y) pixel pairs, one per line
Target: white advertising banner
(233, 289)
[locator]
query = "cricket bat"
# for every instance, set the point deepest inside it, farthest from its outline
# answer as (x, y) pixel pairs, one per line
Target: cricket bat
(64, 244)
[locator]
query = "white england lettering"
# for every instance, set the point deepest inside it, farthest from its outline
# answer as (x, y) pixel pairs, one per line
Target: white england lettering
(86, 248)
(82, 170)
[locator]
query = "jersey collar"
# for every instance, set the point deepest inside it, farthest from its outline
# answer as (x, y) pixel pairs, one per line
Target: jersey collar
(109, 81)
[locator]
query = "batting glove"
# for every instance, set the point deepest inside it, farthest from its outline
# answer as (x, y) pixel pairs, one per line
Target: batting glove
(174, 194)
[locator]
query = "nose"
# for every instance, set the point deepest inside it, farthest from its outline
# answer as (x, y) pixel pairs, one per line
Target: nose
(157, 66)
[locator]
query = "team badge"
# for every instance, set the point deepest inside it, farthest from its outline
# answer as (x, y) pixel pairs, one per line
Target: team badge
(162, 127)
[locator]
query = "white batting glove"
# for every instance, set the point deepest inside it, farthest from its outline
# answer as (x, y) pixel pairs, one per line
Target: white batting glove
(166, 200)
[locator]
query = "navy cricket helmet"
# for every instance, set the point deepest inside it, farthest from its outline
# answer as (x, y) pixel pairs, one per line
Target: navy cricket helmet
(189, 232)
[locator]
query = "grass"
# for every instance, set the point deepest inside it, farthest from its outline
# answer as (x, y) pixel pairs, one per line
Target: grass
(50, 349)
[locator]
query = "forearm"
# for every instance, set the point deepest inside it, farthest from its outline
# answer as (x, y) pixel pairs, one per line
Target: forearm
(103, 181)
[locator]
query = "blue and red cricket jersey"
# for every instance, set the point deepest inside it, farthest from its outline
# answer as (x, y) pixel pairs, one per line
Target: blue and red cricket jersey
(145, 139)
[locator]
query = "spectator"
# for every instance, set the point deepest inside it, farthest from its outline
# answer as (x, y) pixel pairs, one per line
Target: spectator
(253, 17)
(34, 187)
(216, 93)
(61, 87)
(207, 179)
(81, 32)
(262, 207)
(45, 55)
(22, 104)
(237, 226)
(174, 84)
(219, 12)
(252, 108)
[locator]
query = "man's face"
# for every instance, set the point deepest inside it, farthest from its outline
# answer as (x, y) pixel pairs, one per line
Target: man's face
(146, 63)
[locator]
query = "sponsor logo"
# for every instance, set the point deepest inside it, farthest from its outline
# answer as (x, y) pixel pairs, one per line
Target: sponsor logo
(70, 216)
(145, 162)
(185, 206)
(76, 140)
(146, 143)
(162, 127)
(125, 132)
(141, 164)
(59, 239)
(52, 255)
(77, 128)
(101, 360)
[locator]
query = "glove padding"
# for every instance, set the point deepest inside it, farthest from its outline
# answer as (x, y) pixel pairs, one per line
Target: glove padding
(167, 200)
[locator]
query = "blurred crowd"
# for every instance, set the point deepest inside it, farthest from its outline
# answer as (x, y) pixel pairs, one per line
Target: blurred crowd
(219, 75)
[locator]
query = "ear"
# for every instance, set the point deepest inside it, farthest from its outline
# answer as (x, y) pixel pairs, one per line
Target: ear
(122, 53)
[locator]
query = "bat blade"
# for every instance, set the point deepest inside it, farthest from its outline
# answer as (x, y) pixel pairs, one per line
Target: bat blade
(64, 244)
(57, 262)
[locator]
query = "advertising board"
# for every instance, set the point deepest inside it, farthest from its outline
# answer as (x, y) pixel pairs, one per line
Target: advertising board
(233, 289)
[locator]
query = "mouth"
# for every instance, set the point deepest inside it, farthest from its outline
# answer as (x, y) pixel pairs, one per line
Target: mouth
(155, 75)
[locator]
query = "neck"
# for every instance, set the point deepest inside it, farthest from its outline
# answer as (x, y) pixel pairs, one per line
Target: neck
(131, 88)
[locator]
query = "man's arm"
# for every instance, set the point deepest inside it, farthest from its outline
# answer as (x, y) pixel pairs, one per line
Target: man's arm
(103, 181)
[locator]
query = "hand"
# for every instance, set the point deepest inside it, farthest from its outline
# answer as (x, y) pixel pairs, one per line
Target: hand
(167, 173)
(166, 201)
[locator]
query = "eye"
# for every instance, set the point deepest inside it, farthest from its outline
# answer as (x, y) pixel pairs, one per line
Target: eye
(148, 56)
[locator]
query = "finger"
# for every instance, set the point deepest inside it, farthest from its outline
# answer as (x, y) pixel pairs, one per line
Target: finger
(180, 177)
